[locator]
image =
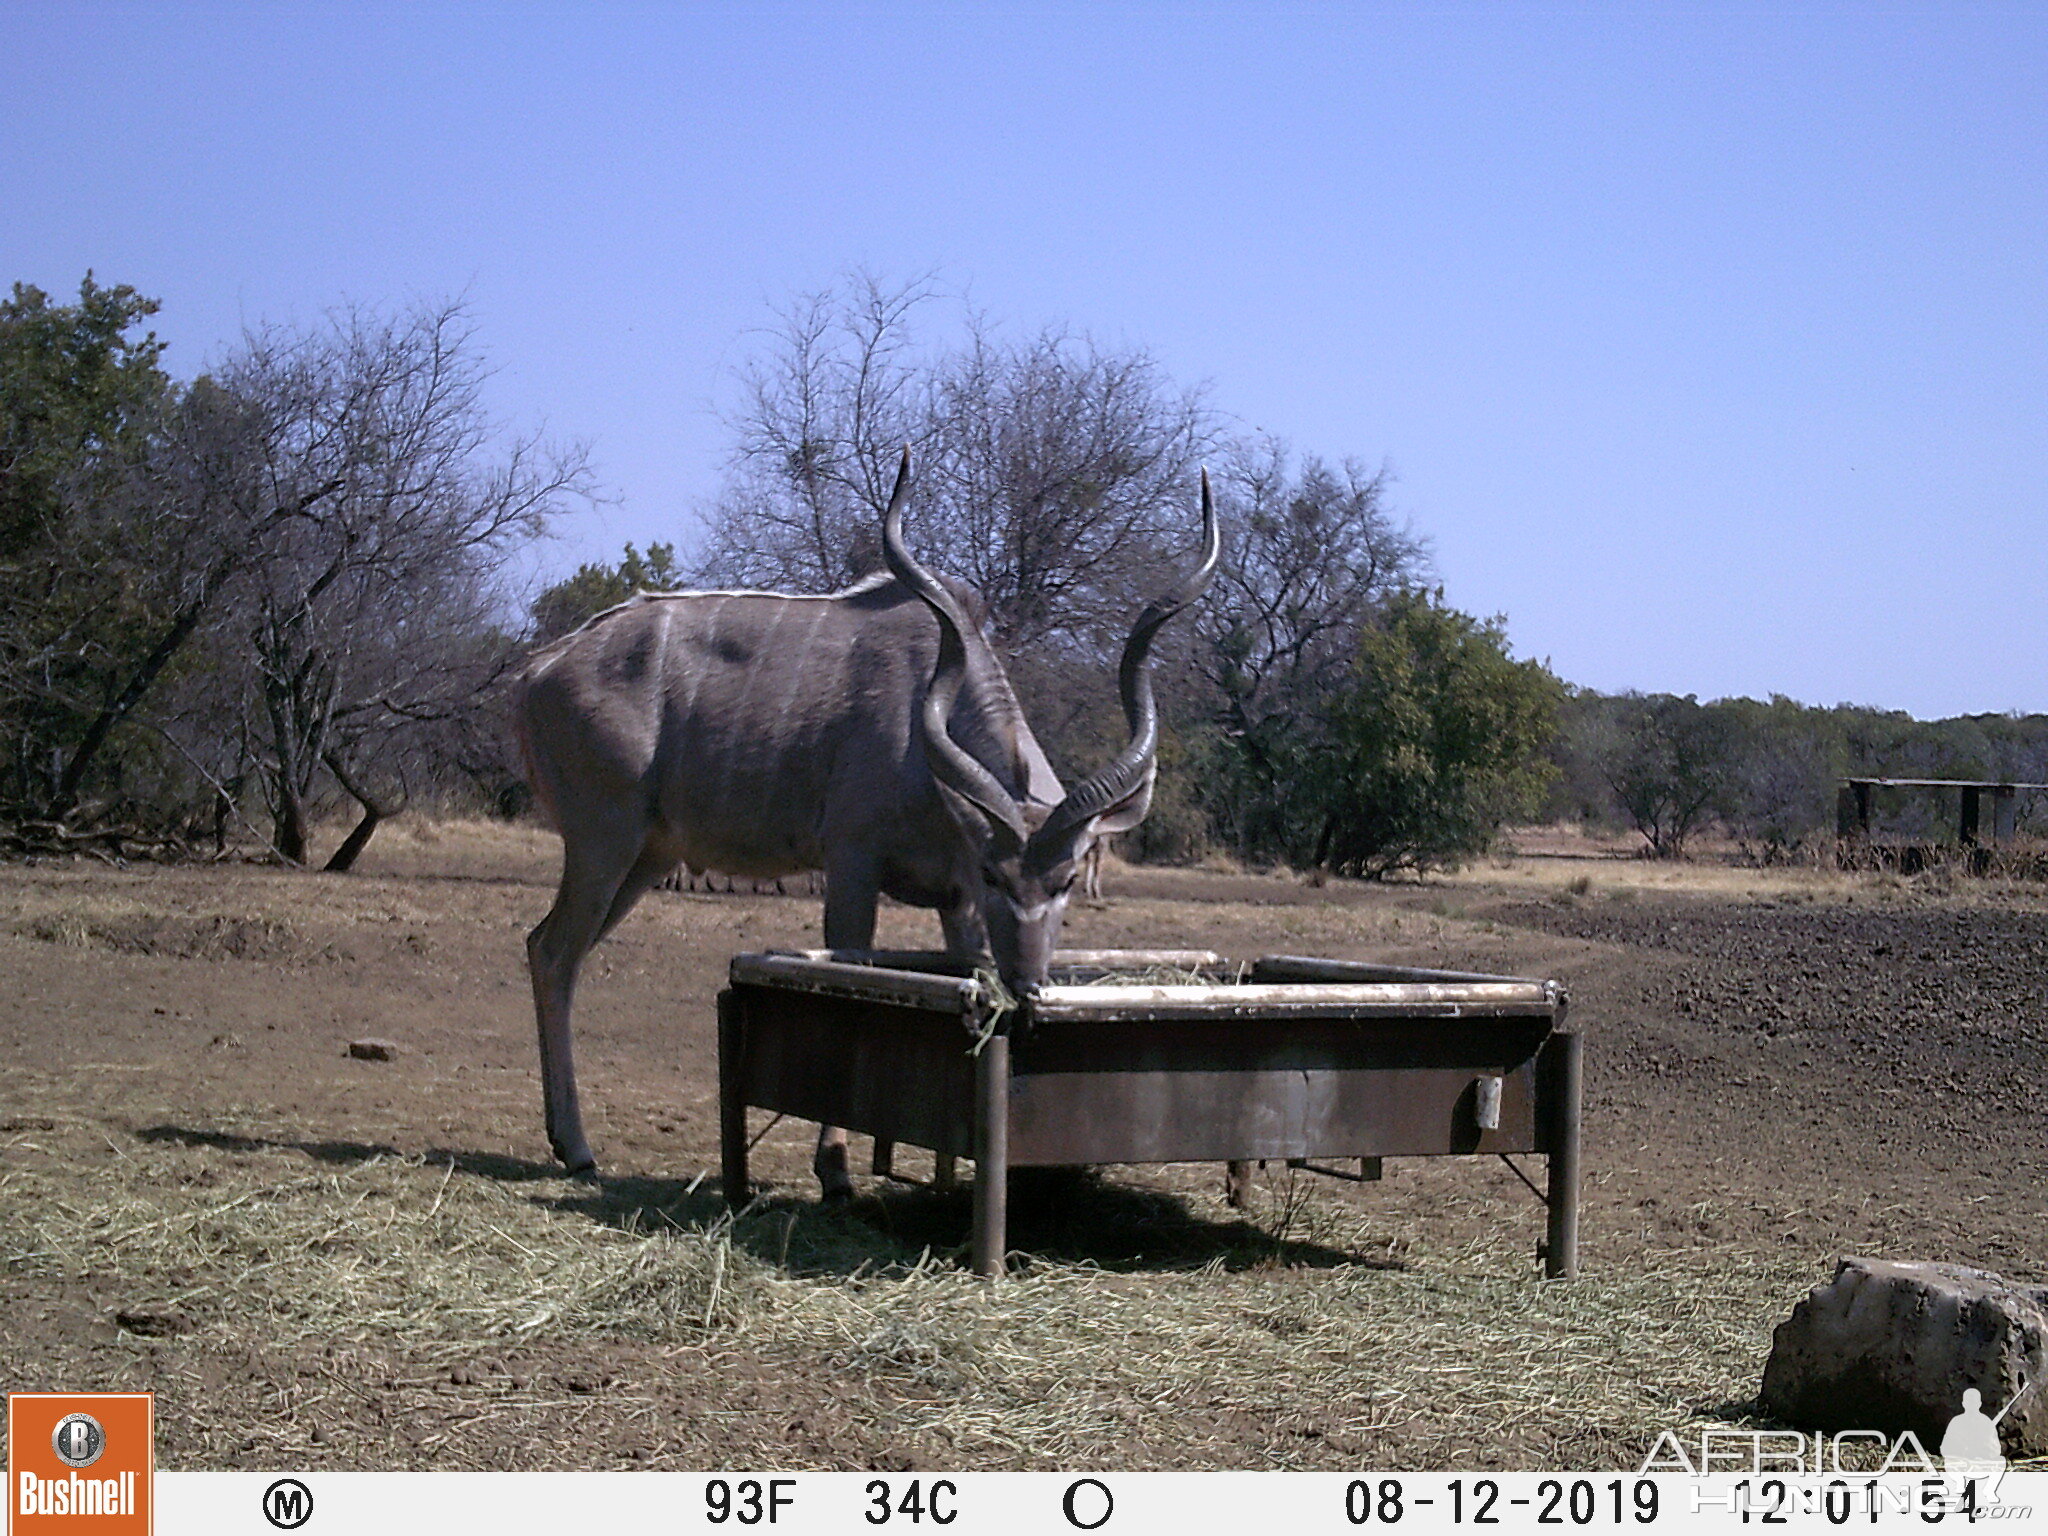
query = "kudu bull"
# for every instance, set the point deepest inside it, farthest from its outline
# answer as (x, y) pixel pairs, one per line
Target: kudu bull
(872, 733)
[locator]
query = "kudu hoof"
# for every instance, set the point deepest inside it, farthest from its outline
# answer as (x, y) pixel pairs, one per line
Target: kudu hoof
(581, 1165)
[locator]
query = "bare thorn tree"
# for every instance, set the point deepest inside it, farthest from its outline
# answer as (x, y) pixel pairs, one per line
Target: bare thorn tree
(1055, 471)
(1064, 470)
(370, 612)
(821, 419)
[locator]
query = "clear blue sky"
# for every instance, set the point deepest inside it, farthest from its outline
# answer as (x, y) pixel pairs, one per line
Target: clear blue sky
(1710, 344)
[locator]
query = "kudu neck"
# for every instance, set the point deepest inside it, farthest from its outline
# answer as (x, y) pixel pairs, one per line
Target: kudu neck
(989, 723)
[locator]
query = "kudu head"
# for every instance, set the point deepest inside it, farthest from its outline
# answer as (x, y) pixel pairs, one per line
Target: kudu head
(1028, 854)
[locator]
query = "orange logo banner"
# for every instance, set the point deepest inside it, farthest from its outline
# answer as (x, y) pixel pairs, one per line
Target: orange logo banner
(80, 1463)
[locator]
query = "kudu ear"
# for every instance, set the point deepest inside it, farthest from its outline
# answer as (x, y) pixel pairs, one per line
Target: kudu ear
(988, 835)
(1069, 838)
(1129, 811)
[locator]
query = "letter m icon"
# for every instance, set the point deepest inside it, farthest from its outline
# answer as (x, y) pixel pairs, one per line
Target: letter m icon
(287, 1503)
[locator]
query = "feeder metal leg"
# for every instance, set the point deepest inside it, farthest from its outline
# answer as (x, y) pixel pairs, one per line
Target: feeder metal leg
(1561, 1246)
(732, 1103)
(991, 1155)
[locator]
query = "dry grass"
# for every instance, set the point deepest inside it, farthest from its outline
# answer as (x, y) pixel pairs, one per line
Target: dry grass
(1459, 1355)
(1546, 874)
(385, 1248)
(1319, 1322)
(220, 936)
(1552, 877)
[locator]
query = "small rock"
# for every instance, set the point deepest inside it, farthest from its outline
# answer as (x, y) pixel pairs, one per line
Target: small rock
(520, 1383)
(461, 1376)
(318, 1436)
(372, 1049)
(1892, 1346)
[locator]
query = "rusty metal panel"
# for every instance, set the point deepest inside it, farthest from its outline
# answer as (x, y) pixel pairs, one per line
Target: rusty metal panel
(903, 1074)
(1474, 1045)
(1196, 1116)
(1151, 1090)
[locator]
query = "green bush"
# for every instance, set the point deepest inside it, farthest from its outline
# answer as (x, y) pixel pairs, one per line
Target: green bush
(1440, 739)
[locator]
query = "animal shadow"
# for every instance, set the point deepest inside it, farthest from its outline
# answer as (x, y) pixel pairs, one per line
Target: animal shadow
(1069, 1216)
(631, 1204)
(1065, 1216)
(496, 1166)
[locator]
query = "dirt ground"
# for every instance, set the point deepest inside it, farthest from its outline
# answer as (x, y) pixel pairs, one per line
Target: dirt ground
(319, 1261)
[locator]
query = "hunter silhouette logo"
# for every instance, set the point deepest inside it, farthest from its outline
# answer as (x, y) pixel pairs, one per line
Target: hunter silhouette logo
(1970, 1452)
(80, 1462)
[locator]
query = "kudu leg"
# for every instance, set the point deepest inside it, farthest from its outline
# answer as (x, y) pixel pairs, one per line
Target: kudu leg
(652, 867)
(835, 1179)
(554, 953)
(849, 924)
(1237, 1184)
(601, 880)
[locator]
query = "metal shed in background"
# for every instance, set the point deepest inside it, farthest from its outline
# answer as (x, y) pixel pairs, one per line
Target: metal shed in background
(1852, 805)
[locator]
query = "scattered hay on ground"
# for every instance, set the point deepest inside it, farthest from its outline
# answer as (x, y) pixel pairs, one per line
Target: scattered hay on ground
(1441, 1357)
(1461, 1358)
(393, 1248)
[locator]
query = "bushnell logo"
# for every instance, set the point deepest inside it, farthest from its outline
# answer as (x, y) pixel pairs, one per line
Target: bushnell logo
(79, 1463)
(78, 1440)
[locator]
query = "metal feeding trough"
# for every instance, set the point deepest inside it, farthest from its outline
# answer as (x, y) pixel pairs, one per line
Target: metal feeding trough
(1287, 1058)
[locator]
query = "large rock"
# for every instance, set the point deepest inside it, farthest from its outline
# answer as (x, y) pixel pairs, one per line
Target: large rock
(1891, 1347)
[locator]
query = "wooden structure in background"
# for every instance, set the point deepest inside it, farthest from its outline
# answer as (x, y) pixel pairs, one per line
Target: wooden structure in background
(1852, 805)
